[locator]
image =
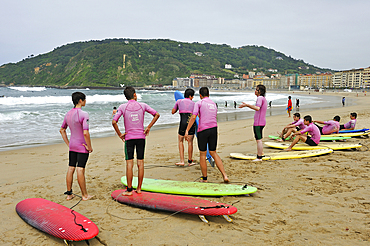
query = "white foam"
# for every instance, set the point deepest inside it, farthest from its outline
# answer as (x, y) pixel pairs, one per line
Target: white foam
(27, 88)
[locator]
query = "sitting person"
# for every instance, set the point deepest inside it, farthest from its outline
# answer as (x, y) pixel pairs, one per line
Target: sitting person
(350, 125)
(296, 125)
(331, 126)
(312, 129)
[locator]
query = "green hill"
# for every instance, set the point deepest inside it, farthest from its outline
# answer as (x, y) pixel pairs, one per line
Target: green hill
(136, 62)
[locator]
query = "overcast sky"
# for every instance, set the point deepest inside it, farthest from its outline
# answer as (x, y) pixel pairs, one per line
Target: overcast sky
(326, 33)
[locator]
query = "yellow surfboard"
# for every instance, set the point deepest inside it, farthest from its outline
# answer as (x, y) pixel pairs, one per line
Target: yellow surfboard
(348, 134)
(326, 145)
(283, 155)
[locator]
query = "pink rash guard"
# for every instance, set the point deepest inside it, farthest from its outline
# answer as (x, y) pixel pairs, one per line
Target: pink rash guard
(330, 127)
(314, 131)
(133, 115)
(299, 123)
(260, 115)
(184, 105)
(207, 111)
(350, 124)
(77, 121)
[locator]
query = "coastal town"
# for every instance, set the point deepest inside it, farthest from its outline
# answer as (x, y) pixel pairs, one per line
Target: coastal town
(347, 79)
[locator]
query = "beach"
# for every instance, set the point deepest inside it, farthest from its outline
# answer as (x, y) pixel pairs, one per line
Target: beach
(321, 200)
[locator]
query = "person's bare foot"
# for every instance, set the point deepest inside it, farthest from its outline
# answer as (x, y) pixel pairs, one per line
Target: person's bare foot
(70, 197)
(180, 164)
(257, 159)
(279, 140)
(226, 179)
(191, 164)
(287, 149)
(86, 198)
(138, 191)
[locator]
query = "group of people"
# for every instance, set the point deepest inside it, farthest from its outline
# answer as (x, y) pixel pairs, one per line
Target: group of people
(299, 127)
(134, 136)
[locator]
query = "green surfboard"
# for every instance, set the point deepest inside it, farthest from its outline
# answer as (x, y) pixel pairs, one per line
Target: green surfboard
(191, 188)
(323, 137)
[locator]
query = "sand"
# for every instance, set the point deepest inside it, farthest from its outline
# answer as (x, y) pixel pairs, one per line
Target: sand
(315, 201)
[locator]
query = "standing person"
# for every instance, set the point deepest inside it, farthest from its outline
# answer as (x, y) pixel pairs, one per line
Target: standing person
(207, 132)
(79, 144)
(296, 125)
(312, 129)
(234, 104)
(259, 118)
(114, 111)
(226, 104)
(185, 107)
(350, 125)
(297, 103)
(270, 102)
(331, 126)
(290, 106)
(134, 137)
(343, 101)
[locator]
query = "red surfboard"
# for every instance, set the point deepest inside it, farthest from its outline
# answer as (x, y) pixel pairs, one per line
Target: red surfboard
(56, 220)
(174, 203)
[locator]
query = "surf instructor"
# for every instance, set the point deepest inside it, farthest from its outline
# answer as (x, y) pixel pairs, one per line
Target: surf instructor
(259, 118)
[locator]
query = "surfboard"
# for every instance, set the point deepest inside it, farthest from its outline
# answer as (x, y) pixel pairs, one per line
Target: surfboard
(191, 188)
(348, 134)
(303, 146)
(174, 203)
(178, 95)
(56, 220)
(355, 130)
(323, 137)
(283, 155)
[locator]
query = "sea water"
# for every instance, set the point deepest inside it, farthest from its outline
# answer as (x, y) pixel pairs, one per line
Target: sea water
(33, 115)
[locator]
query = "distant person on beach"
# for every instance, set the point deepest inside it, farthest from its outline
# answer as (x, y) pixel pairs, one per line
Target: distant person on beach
(259, 118)
(185, 107)
(331, 126)
(270, 102)
(114, 111)
(297, 103)
(343, 101)
(313, 131)
(296, 125)
(207, 132)
(134, 137)
(350, 125)
(290, 105)
(79, 144)
(234, 104)
(225, 103)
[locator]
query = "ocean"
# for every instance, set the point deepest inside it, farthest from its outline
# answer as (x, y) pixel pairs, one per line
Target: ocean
(31, 116)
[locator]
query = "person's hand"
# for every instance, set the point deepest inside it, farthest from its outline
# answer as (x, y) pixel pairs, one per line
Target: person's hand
(243, 105)
(146, 131)
(186, 135)
(122, 136)
(87, 148)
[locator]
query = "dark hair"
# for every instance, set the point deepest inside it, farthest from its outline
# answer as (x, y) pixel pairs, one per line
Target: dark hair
(204, 91)
(189, 92)
(308, 118)
(289, 97)
(297, 115)
(76, 96)
(354, 115)
(261, 89)
(114, 107)
(337, 118)
(129, 92)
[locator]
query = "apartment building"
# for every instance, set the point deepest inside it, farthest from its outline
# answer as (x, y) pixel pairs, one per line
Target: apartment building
(354, 78)
(323, 80)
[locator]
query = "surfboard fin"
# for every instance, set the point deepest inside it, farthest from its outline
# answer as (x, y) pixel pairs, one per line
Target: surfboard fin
(227, 218)
(66, 242)
(203, 218)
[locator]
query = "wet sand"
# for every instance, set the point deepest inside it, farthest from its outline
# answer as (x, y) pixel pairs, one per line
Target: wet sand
(315, 201)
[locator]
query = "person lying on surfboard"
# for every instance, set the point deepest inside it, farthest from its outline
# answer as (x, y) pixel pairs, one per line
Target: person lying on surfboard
(350, 125)
(296, 125)
(134, 137)
(312, 130)
(206, 109)
(185, 107)
(79, 144)
(331, 126)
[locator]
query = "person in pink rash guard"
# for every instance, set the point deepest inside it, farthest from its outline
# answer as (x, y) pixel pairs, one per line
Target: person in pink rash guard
(185, 107)
(331, 126)
(206, 109)
(296, 125)
(259, 118)
(79, 144)
(134, 137)
(312, 129)
(350, 125)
